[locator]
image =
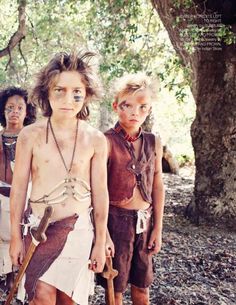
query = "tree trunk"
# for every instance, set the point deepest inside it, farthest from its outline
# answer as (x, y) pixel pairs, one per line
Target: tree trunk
(148, 123)
(105, 121)
(213, 74)
(214, 135)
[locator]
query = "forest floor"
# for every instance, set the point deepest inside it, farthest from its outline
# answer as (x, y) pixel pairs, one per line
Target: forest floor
(197, 264)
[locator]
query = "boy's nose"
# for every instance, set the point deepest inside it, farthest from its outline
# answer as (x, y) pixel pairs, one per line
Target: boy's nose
(69, 97)
(15, 110)
(135, 111)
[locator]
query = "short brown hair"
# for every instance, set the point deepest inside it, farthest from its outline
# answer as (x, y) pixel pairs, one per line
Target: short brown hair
(131, 83)
(63, 61)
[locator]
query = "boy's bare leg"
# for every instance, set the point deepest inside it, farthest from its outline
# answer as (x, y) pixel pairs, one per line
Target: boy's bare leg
(118, 298)
(139, 296)
(63, 299)
(45, 294)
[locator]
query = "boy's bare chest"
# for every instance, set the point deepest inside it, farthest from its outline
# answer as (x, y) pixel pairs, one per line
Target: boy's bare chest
(63, 153)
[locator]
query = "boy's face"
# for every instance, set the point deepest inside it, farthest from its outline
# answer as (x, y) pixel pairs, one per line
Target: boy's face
(15, 110)
(67, 94)
(133, 108)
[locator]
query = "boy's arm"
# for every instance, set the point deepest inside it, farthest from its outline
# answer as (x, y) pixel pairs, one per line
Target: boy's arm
(18, 194)
(100, 201)
(110, 248)
(158, 196)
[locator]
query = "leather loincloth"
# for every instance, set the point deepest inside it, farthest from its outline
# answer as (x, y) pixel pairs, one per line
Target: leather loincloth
(46, 253)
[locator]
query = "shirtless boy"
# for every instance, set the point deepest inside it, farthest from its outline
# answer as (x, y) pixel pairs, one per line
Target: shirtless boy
(15, 113)
(136, 190)
(66, 158)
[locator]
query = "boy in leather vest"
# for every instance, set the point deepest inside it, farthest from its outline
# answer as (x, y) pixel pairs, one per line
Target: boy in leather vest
(136, 190)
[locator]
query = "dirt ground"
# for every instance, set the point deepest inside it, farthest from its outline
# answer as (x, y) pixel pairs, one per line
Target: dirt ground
(197, 264)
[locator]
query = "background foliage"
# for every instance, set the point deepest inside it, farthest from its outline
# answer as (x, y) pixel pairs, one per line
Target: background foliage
(129, 37)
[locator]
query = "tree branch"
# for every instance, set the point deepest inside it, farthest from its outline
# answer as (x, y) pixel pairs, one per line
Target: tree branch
(20, 33)
(168, 17)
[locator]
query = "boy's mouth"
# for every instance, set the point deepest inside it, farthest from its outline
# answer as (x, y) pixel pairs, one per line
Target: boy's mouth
(66, 109)
(14, 117)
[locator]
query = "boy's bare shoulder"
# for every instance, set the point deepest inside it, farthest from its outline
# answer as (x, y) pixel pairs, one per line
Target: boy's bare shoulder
(91, 132)
(158, 140)
(31, 132)
(158, 145)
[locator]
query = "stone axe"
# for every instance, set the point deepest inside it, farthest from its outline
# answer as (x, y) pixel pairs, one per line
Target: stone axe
(38, 236)
(109, 273)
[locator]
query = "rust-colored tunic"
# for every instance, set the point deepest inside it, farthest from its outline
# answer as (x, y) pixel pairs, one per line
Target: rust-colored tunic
(125, 172)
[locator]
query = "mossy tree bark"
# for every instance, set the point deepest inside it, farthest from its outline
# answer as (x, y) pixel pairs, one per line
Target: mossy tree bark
(213, 75)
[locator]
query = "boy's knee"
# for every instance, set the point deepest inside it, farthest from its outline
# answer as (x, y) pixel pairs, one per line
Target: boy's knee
(140, 290)
(140, 296)
(44, 294)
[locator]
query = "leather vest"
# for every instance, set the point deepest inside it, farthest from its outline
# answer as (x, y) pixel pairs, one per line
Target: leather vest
(125, 172)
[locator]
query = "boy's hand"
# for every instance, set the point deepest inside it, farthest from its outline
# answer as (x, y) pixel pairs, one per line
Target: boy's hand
(155, 241)
(110, 248)
(16, 251)
(97, 258)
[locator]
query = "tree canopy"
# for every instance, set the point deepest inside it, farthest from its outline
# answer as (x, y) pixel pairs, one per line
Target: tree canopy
(129, 37)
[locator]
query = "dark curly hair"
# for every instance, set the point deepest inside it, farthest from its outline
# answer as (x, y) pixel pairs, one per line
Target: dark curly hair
(8, 92)
(80, 62)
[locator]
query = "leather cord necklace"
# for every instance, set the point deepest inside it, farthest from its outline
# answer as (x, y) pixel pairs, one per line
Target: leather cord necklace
(68, 170)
